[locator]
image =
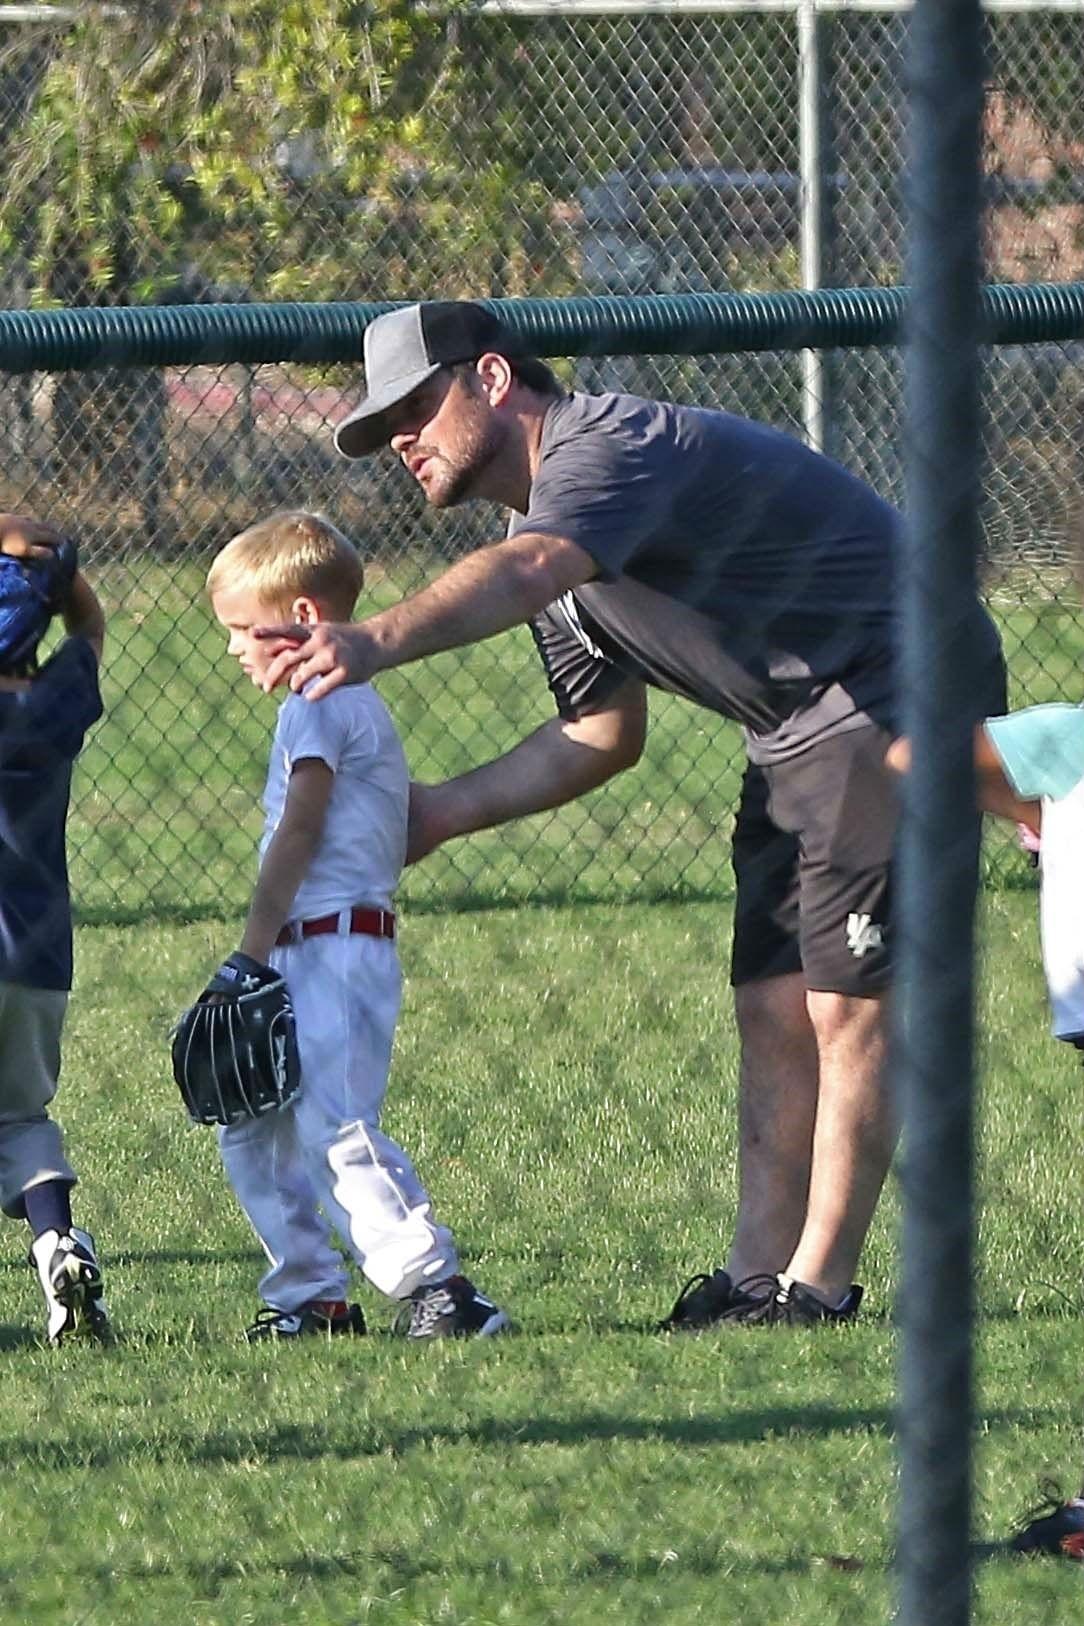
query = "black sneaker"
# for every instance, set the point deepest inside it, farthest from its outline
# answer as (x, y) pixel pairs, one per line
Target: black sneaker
(776, 1301)
(1054, 1526)
(326, 1317)
(453, 1308)
(701, 1303)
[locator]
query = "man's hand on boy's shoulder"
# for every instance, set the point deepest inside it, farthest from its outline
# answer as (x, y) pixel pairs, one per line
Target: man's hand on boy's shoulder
(332, 653)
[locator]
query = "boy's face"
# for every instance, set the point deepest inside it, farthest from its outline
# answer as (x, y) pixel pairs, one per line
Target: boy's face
(239, 610)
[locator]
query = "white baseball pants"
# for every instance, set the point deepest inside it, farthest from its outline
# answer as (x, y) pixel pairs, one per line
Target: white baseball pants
(1061, 859)
(321, 1163)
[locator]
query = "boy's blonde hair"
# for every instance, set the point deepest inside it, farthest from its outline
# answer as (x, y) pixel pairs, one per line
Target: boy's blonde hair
(290, 554)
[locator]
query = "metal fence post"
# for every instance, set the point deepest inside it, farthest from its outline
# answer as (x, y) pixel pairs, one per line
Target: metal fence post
(815, 204)
(939, 837)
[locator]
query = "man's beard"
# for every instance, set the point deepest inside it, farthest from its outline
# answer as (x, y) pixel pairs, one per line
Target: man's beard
(459, 473)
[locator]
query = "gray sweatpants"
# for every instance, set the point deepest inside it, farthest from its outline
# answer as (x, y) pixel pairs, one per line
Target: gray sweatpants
(31, 1147)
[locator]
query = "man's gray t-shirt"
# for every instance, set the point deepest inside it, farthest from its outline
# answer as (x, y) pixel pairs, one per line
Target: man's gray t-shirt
(736, 567)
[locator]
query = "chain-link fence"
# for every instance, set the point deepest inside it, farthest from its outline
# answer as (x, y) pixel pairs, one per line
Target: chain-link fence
(180, 153)
(487, 153)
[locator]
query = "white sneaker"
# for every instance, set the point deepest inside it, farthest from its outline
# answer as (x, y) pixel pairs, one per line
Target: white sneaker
(71, 1281)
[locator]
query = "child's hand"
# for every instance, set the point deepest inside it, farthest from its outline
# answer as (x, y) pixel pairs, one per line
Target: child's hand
(26, 538)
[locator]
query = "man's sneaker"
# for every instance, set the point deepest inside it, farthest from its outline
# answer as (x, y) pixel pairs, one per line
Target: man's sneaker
(703, 1301)
(322, 1317)
(453, 1308)
(1054, 1526)
(71, 1281)
(777, 1301)
(700, 1302)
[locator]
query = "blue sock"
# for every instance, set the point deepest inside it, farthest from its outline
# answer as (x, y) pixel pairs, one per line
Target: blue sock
(49, 1207)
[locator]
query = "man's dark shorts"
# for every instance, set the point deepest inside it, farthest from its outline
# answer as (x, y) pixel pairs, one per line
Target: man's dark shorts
(812, 857)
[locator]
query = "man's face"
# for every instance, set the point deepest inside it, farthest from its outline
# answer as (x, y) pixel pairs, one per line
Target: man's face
(239, 611)
(446, 435)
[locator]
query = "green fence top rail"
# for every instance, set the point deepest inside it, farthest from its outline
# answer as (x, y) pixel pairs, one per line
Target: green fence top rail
(649, 324)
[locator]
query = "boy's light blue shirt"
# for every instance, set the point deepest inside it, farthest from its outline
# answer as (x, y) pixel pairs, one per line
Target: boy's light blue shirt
(1041, 749)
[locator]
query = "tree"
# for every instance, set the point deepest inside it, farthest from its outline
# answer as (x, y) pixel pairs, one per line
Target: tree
(178, 129)
(194, 148)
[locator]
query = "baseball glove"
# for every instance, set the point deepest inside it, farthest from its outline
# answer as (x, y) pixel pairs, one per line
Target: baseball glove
(235, 1050)
(32, 590)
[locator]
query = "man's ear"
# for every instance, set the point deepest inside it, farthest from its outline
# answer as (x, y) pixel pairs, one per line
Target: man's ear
(496, 376)
(304, 611)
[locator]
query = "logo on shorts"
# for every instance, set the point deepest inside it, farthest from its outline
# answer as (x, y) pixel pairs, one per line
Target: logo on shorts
(863, 934)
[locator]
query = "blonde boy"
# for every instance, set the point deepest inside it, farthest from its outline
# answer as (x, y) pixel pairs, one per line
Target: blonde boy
(334, 842)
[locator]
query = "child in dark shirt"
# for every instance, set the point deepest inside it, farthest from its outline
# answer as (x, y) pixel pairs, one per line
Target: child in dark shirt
(45, 711)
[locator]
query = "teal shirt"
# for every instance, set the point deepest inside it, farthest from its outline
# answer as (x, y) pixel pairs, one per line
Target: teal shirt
(1041, 749)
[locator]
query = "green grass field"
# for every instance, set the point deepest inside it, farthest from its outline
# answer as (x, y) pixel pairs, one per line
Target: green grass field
(565, 1079)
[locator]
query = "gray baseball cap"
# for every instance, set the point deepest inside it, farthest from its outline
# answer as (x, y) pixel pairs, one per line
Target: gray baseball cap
(405, 347)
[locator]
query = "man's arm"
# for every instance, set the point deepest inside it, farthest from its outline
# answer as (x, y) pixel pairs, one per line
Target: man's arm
(558, 762)
(499, 586)
(288, 856)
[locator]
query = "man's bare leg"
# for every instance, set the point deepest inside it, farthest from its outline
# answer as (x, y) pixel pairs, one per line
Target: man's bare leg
(777, 1111)
(853, 1140)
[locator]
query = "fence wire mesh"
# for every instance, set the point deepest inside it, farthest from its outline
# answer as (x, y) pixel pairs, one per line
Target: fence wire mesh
(204, 153)
(413, 154)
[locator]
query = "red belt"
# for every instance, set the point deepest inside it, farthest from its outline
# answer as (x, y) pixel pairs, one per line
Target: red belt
(370, 922)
